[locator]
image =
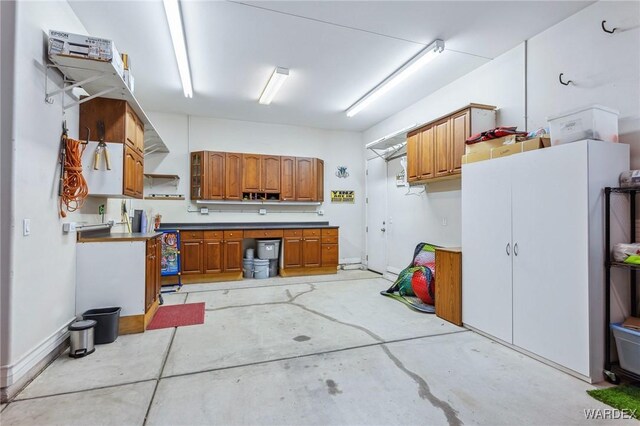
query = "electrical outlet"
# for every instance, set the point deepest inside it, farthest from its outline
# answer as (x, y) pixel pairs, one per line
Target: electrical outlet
(320, 212)
(444, 221)
(26, 227)
(68, 227)
(262, 211)
(204, 210)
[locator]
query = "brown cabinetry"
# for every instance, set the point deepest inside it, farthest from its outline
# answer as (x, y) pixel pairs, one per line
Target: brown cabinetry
(309, 250)
(233, 176)
(133, 173)
(306, 187)
(319, 180)
(449, 288)
(152, 272)
(211, 252)
(435, 150)
(215, 174)
(260, 173)
(197, 173)
(287, 178)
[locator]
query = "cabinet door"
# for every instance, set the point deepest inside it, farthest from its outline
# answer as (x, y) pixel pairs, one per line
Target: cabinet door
(129, 181)
(442, 148)
(426, 162)
(460, 131)
(149, 282)
(233, 176)
(213, 256)
(233, 255)
(305, 179)
(131, 132)
(197, 175)
(292, 252)
(270, 174)
(140, 137)
(158, 268)
(413, 141)
(251, 173)
(139, 176)
(191, 257)
(551, 263)
(329, 255)
(320, 180)
(215, 176)
(287, 178)
(487, 248)
(311, 252)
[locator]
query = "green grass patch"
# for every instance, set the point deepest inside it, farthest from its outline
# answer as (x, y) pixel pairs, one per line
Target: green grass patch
(623, 397)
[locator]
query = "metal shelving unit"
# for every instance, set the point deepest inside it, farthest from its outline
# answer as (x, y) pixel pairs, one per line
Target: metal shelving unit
(100, 79)
(612, 370)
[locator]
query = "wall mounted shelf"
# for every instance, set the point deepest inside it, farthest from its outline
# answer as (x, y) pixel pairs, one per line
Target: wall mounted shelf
(174, 179)
(165, 197)
(100, 79)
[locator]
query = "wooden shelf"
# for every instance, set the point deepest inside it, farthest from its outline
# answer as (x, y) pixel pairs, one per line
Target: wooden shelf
(100, 79)
(164, 197)
(161, 176)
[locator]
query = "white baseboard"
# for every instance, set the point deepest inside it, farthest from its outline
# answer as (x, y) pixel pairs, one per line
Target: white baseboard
(350, 261)
(13, 373)
(394, 271)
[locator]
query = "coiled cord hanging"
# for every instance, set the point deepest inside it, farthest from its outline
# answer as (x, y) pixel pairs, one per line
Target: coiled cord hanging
(74, 188)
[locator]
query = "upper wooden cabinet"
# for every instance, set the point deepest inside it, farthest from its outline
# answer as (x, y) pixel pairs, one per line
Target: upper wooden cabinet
(287, 178)
(215, 175)
(235, 176)
(435, 150)
(260, 173)
(121, 124)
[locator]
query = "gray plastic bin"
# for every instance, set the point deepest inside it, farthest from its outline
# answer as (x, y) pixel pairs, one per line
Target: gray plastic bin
(268, 249)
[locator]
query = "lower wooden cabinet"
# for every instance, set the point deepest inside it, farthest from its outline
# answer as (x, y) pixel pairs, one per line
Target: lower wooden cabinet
(292, 252)
(306, 250)
(311, 248)
(211, 252)
(152, 272)
(449, 286)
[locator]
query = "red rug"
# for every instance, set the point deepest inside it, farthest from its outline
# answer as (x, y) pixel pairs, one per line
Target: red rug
(177, 316)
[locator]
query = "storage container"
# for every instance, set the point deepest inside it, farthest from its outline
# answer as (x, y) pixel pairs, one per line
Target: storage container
(107, 323)
(273, 267)
(81, 338)
(247, 267)
(260, 268)
(630, 179)
(628, 346)
(268, 249)
(248, 253)
(594, 122)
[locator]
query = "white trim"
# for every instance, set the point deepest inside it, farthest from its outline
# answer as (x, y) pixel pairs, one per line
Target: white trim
(350, 261)
(395, 271)
(10, 374)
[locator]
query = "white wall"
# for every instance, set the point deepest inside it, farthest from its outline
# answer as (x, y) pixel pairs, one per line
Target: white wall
(606, 69)
(42, 265)
(185, 134)
(417, 218)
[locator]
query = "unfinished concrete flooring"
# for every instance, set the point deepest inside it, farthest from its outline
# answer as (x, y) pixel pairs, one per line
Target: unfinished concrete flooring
(309, 350)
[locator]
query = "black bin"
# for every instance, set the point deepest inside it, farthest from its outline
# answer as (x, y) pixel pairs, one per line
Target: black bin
(108, 321)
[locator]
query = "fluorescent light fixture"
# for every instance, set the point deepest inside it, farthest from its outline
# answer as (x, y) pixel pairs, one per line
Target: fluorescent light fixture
(425, 56)
(174, 18)
(273, 85)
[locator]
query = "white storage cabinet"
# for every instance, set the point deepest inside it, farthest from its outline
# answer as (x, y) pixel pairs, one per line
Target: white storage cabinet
(532, 238)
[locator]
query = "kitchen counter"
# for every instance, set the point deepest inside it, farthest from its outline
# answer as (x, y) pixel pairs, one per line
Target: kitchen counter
(117, 237)
(245, 226)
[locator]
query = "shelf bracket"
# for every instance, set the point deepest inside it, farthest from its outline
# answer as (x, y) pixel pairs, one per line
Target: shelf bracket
(48, 98)
(88, 98)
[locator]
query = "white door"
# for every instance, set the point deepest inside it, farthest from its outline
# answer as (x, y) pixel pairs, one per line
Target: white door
(486, 247)
(377, 215)
(550, 262)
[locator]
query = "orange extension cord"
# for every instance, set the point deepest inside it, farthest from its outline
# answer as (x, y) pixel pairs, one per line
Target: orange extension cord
(74, 187)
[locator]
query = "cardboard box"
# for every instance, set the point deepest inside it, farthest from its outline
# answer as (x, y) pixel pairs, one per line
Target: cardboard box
(81, 46)
(489, 145)
(473, 157)
(528, 145)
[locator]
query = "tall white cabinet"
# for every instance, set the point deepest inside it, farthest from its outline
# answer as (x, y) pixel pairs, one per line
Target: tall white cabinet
(532, 238)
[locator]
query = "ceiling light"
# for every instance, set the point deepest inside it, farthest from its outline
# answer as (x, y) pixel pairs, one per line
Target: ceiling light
(273, 85)
(174, 18)
(414, 64)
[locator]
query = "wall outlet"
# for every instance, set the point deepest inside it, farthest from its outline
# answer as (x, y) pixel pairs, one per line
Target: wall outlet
(204, 210)
(320, 212)
(26, 227)
(68, 227)
(262, 211)
(444, 221)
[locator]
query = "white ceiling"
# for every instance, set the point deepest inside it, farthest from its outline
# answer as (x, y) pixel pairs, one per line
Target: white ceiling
(336, 51)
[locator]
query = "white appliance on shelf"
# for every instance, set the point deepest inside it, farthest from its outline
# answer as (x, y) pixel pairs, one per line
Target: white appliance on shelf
(533, 264)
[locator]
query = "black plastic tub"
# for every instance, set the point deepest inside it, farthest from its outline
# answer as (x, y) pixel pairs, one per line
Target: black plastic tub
(108, 321)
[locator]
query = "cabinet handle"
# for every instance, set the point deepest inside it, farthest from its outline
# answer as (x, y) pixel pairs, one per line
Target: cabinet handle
(515, 249)
(508, 248)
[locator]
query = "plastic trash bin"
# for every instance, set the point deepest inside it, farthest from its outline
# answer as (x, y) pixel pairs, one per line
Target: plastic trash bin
(628, 346)
(107, 323)
(268, 249)
(260, 268)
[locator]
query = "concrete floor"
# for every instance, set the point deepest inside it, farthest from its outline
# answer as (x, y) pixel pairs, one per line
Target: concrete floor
(309, 350)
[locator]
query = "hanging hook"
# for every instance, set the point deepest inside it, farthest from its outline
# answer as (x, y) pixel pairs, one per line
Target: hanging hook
(562, 82)
(606, 30)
